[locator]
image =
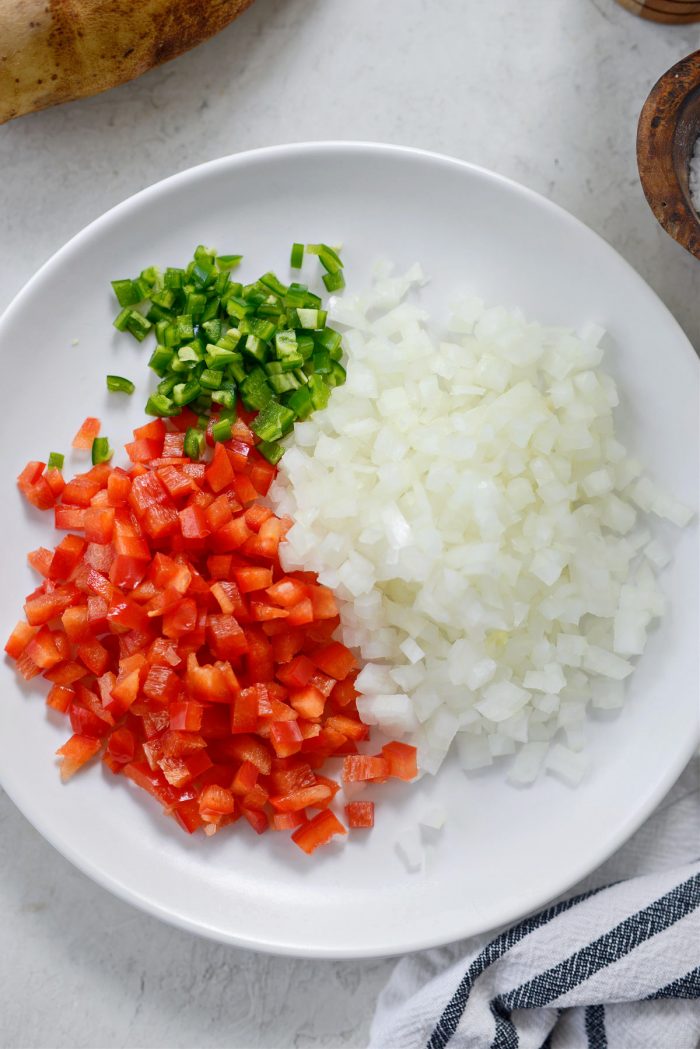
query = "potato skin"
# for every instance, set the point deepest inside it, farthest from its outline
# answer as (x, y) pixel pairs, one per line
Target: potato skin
(53, 51)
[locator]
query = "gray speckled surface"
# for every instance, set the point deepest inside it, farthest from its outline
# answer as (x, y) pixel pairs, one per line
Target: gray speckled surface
(545, 92)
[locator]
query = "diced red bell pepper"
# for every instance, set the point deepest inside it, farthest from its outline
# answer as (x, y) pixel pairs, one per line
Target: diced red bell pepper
(44, 607)
(76, 753)
(219, 513)
(262, 612)
(69, 518)
(160, 520)
(308, 702)
(86, 723)
(173, 444)
(208, 683)
(28, 669)
(94, 655)
(118, 487)
(289, 780)
(262, 474)
(216, 802)
(225, 637)
(353, 728)
(335, 660)
(80, 491)
(19, 639)
(177, 744)
(40, 560)
(256, 818)
(244, 712)
(66, 557)
(301, 613)
(125, 692)
(359, 768)
(297, 673)
(360, 814)
(122, 745)
(271, 535)
(258, 660)
(147, 491)
(219, 474)
(142, 450)
(286, 644)
(231, 536)
(218, 565)
(245, 778)
(60, 698)
(41, 495)
(287, 592)
(401, 759)
(256, 515)
(318, 831)
(286, 820)
(99, 524)
(86, 434)
(55, 481)
(152, 781)
(187, 815)
(256, 798)
(98, 557)
(186, 715)
(323, 683)
(77, 620)
(30, 475)
(286, 738)
(180, 620)
(249, 748)
(42, 650)
(323, 602)
(162, 685)
(251, 579)
(344, 692)
(179, 771)
(301, 798)
(65, 673)
(153, 431)
(245, 490)
(203, 694)
(193, 523)
(228, 597)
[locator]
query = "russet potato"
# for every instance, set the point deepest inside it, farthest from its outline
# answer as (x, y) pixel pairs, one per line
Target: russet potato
(53, 51)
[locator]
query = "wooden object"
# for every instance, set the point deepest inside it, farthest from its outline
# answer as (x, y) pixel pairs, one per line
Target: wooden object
(668, 128)
(674, 12)
(53, 51)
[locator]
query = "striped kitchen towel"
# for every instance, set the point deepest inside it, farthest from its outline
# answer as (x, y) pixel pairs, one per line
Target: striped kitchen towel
(614, 966)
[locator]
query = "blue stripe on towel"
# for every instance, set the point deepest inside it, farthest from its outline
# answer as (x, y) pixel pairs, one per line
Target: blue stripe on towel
(506, 1033)
(579, 967)
(687, 986)
(594, 1019)
(452, 1013)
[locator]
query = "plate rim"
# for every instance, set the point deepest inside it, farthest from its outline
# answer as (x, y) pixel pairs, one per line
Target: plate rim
(509, 914)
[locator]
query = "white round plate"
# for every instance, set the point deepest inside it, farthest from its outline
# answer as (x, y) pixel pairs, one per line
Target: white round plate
(503, 851)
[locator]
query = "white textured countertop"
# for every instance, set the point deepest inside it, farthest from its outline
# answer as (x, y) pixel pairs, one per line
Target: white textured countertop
(547, 92)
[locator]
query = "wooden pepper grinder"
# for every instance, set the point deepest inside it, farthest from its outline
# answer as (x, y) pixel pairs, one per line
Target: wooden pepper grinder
(675, 12)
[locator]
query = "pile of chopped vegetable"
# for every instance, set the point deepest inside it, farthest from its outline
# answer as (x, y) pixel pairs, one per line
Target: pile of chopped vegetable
(179, 648)
(265, 343)
(482, 525)
(171, 636)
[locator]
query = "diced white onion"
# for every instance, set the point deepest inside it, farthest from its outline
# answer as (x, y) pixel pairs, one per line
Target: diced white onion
(465, 495)
(410, 848)
(527, 763)
(434, 817)
(566, 764)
